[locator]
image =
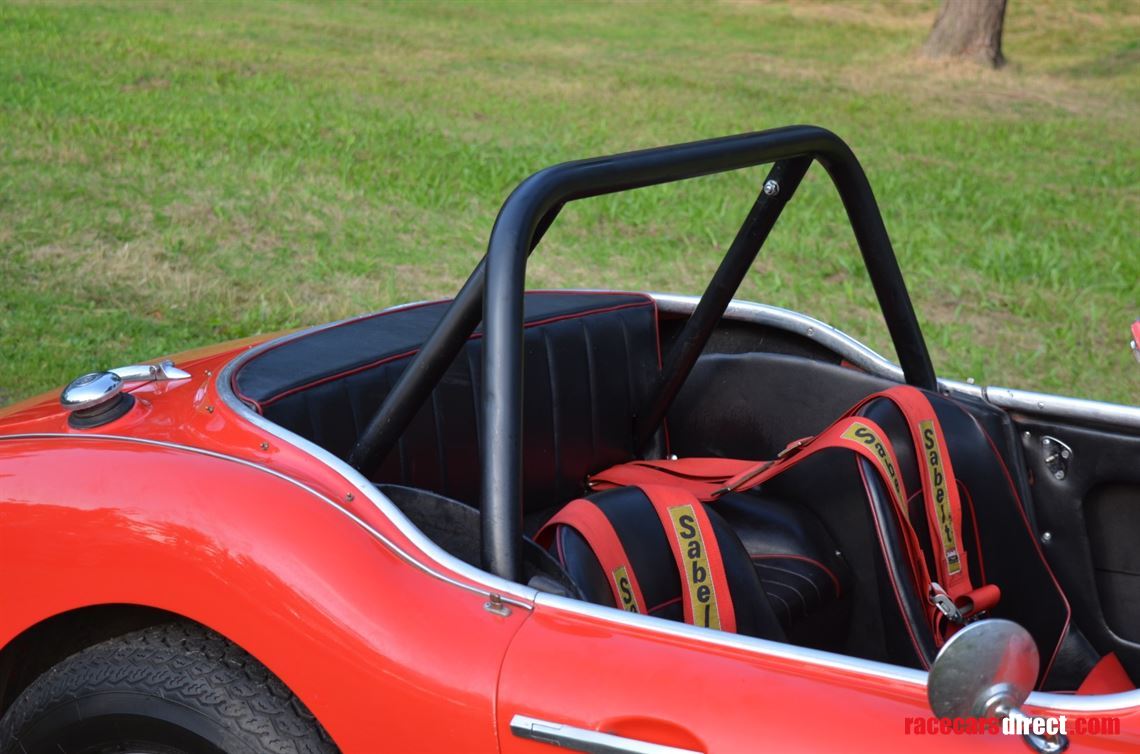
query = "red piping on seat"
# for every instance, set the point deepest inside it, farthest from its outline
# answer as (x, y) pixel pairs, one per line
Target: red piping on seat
(663, 605)
(968, 501)
(647, 301)
(890, 565)
(804, 558)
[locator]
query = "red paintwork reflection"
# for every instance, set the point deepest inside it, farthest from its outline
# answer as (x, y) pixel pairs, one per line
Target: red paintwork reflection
(639, 685)
(379, 650)
(388, 657)
(190, 412)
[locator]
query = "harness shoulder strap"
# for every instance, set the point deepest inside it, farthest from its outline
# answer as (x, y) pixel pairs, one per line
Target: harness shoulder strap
(939, 489)
(704, 582)
(586, 518)
(952, 596)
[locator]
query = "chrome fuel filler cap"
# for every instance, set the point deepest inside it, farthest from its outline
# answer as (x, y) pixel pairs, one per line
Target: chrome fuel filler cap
(97, 398)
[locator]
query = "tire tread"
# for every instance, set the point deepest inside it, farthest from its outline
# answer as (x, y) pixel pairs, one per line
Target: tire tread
(187, 664)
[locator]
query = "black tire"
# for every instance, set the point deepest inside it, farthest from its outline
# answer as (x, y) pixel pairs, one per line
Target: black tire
(164, 690)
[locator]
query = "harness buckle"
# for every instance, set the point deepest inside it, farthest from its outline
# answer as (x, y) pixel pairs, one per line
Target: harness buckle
(795, 445)
(945, 605)
(742, 480)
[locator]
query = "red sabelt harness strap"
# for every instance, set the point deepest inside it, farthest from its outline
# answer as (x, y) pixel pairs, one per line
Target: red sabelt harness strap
(705, 592)
(943, 509)
(588, 520)
(939, 489)
(708, 478)
(704, 583)
(701, 476)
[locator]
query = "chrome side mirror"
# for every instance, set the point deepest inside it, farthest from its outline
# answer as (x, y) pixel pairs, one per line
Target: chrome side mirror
(987, 670)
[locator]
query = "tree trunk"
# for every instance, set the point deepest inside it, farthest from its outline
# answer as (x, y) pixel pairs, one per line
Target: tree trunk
(969, 30)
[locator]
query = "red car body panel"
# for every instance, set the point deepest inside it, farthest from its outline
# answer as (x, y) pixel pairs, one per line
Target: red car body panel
(385, 654)
(185, 506)
(646, 686)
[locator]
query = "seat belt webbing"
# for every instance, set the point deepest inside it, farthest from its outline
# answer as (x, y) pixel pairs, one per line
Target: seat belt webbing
(939, 489)
(591, 522)
(952, 595)
(704, 583)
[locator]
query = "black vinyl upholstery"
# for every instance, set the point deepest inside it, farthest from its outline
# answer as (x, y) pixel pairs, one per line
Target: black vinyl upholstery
(589, 359)
(997, 538)
(814, 557)
(638, 528)
(804, 577)
(786, 578)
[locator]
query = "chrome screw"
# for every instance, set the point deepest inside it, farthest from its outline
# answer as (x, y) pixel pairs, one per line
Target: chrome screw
(771, 187)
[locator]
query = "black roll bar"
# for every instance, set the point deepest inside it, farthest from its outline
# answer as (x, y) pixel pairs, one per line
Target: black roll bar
(425, 371)
(778, 188)
(512, 239)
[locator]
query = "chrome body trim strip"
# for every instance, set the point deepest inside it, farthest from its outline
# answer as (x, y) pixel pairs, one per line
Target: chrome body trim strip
(1025, 402)
(1035, 404)
(765, 647)
(580, 739)
(396, 550)
(389, 509)
(827, 336)
(737, 310)
(820, 658)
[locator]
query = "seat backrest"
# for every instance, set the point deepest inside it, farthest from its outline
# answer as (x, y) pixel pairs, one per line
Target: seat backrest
(589, 362)
(997, 538)
(659, 551)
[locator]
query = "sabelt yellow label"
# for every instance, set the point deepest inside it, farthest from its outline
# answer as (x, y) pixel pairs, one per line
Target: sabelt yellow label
(861, 433)
(625, 590)
(698, 577)
(941, 496)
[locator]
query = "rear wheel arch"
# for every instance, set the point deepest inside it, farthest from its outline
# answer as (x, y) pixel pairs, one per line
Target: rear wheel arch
(45, 644)
(46, 658)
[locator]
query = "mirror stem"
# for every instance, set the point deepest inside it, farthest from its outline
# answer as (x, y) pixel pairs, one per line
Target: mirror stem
(1044, 743)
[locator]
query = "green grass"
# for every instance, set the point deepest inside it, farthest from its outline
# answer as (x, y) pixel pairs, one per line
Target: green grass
(173, 174)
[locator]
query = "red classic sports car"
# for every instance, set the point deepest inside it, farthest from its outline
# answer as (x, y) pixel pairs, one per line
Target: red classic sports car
(603, 521)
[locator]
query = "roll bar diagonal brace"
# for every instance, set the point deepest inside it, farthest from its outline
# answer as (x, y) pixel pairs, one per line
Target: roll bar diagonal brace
(777, 189)
(498, 283)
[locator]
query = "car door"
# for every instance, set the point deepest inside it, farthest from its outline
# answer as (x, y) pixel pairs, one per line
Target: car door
(1083, 463)
(575, 670)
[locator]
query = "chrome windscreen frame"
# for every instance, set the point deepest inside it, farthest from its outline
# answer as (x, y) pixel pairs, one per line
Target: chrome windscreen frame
(446, 567)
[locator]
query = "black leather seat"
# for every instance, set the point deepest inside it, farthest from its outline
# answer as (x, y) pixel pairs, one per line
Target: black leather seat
(998, 541)
(803, 574)
(589, 359)
(639, 529)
